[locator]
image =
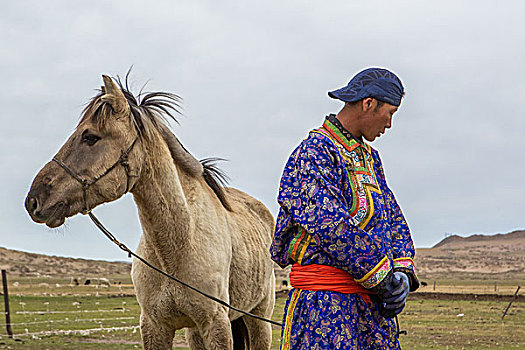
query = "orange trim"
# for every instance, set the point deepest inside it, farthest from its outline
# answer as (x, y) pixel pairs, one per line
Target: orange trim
(340, 140)
(326, 278)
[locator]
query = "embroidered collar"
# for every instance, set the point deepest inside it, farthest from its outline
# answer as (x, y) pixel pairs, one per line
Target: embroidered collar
(343, 136)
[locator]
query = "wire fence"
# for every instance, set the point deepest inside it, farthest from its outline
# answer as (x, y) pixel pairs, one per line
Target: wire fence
(106, 308)
(84, 332)
(42, 306)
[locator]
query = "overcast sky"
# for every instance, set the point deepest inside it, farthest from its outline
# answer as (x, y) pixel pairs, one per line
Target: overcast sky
(254, 77)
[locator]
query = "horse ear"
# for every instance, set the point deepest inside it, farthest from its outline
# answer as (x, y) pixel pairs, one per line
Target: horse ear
(114, 96)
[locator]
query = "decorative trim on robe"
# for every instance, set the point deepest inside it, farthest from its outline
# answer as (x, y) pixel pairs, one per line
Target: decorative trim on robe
(360, 170)
(376, 275)
(404, 263)
(287, 332)
(407, 266)
(298, 246)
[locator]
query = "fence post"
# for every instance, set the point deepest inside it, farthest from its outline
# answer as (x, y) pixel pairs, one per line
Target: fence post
(6, 305)
(514, 298)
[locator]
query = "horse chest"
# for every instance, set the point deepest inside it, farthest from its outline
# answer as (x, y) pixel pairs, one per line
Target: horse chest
(166, 306)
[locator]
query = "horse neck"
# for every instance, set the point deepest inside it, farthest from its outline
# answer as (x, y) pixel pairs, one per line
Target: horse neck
(161, 197)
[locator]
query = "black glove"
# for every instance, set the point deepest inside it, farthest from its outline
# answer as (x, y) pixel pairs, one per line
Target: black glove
(395, 296)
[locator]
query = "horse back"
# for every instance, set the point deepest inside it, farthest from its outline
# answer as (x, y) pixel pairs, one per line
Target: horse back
(245, 203)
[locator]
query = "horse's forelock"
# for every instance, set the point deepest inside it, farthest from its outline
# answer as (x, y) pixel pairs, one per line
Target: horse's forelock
(149, 111)
(95, 111)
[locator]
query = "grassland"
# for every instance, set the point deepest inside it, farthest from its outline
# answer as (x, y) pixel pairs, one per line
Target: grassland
(56, 315)
(469, 282)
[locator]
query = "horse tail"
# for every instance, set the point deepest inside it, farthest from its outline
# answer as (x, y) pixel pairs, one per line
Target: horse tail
(240, 334)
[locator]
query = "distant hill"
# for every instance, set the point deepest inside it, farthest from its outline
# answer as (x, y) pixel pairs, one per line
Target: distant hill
(500, 256)
(504, 237)
(21, 264)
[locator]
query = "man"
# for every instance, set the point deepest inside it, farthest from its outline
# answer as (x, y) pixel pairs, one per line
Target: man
(341, 228)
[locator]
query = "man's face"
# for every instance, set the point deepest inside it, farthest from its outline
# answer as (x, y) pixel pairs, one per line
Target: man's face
(377, 120)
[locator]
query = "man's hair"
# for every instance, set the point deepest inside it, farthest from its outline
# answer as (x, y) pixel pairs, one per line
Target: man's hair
(379, 104)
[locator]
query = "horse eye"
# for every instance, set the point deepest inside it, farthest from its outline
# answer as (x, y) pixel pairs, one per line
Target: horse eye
(90, 139)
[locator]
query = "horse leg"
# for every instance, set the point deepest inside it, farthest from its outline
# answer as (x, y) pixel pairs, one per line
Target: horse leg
(155, 335)
(196, 343)
(261, 332)
(194, 339)
(215, 332)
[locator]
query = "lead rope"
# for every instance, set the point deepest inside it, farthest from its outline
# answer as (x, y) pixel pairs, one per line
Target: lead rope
(122, 246)
(123, 160)
(397, 328)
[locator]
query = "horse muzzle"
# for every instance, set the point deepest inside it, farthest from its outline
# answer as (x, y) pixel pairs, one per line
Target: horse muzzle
(52, 215)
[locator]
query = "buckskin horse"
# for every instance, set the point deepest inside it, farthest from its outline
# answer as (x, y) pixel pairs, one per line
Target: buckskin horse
(212, 237)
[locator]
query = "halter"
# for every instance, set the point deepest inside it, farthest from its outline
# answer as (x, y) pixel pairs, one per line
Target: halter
(85, 183)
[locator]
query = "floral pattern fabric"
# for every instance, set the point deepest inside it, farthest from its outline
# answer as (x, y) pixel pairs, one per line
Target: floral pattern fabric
(331, 320)
(337, 210)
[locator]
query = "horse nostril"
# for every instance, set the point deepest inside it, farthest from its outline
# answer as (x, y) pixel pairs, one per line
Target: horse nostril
(31, 204)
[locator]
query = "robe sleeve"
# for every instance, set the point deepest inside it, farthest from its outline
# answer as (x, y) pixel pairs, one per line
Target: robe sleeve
(403, 250)
(311, 194)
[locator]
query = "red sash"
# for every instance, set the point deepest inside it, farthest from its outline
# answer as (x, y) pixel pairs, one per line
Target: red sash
(323, 278)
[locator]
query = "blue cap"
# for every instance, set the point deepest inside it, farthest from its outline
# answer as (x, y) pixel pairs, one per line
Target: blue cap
(378, 83)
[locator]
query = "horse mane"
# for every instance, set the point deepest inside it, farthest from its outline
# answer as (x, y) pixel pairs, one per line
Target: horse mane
(215, 178)
(207, 167)
(150, 113)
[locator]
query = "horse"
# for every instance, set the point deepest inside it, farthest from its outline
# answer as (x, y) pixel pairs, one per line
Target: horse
(215, 238)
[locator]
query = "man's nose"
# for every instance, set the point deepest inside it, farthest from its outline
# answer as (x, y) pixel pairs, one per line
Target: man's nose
(389, 123)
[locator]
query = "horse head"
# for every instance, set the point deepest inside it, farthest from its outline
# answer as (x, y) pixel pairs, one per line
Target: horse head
(99, 162)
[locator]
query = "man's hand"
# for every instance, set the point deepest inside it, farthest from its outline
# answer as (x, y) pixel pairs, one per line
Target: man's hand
(394, 301)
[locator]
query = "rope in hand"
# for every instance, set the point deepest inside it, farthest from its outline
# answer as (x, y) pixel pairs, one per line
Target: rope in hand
(122, 246)
(397, 329)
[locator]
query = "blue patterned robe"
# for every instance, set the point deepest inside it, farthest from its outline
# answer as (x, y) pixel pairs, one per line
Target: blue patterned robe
(337, 210)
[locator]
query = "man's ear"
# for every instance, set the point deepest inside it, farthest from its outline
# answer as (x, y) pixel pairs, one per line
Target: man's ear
(367, 104)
